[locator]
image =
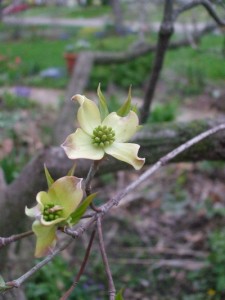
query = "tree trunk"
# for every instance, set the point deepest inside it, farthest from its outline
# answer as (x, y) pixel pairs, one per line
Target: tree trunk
(1, 8)
(77, 84)
(118, 15)
(165, 33)
(162, 46)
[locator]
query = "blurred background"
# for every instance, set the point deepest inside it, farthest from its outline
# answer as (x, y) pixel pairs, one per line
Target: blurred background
(162, 243)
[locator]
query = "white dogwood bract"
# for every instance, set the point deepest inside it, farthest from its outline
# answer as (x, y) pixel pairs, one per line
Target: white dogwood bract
(97, 137)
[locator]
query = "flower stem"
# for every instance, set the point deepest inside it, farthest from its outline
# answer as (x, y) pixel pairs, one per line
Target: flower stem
(19, 281)
(13, 238)
(77, 278)
(112, 290)
(92, 171)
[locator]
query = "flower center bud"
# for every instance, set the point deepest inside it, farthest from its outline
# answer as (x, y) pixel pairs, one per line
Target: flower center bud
(103, 136)
(52, 212)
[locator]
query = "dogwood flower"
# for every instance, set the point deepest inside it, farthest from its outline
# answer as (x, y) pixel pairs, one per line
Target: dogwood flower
(54, 209)
(95, 137)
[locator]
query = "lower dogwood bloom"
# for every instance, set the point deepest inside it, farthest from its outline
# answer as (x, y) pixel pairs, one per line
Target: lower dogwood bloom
(54, 209)
(95, 137)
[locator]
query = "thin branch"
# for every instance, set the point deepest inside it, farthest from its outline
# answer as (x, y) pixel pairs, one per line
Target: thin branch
(175, 251)
(87, 216)
(168, 12)
(93, 169)
(83, 227)
(87, 254)
(164, 160)
(165, 33)
(13, 238)
(112, 290)
(146, 175)
(19, 281)
(187, 264)
(101, 57)
(207, 5)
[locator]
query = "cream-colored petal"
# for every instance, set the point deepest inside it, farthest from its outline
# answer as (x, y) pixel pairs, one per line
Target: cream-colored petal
(46, 238)
(124, 127)
(79, 145)
(79, 98)
(51, 223)
(126, 152)
(67, 193)
(88, 114)
(43, 198)
(34, 212)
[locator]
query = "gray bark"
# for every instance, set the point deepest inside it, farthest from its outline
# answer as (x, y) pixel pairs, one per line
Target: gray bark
(165, 33)
(77, 84)
(118, 15)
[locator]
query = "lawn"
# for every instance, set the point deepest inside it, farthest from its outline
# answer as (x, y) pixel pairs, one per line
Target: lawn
(37, 50)
(207, 58)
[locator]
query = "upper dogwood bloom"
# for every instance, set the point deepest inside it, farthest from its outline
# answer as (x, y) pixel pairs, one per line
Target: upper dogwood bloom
(95, 137)
(54, 209)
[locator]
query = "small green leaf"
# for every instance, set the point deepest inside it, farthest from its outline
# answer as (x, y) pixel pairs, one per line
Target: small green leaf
(76, 216)
(72, 170)
(134, 108)
(103, 108)
(3, 286)
(126, 107)
(119, 295)
(2, 281)
(49, 178)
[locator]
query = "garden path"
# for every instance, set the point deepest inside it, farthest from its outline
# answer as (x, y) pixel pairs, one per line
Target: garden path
(43, 96)
(96, 22)
(54, 98)
(39, 20)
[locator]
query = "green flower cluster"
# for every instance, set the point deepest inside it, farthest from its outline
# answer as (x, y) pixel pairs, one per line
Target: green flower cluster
(103, 136)
(54, 209)
(52, 212)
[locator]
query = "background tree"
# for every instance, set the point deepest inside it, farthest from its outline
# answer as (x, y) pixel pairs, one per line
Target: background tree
(118, 15)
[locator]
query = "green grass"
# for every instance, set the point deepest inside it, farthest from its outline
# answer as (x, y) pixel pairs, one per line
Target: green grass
(194, 67)
(35, 55)
(113, 43)
(38, 53)
(13, 164)
(11, 102)
(206, 61)
(212, 277)
(164, 112)
(42, 52)
(123, 75)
